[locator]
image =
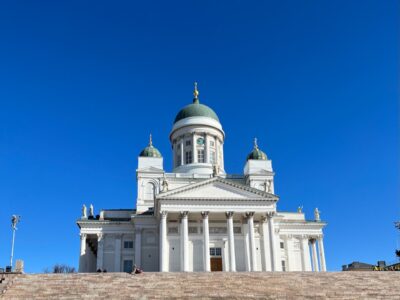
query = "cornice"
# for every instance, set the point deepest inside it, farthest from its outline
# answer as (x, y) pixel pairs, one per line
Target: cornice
(218, 199)
(220, 180)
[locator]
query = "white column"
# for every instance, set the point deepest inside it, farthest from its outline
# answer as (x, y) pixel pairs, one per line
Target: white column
(184, 242)
(221, 151)
(163, 242)
(253, 258)
(82, 257)
(231, 242)
(245, 230)
(321, 254)
(266, 246)
(117, 258)
(100, 243)
(314, 255)
(182, 153)
(216, 151)
(138, 246)
(206, 243)
(305, 252)
(206, 147)
(271, 229)
(194, 148)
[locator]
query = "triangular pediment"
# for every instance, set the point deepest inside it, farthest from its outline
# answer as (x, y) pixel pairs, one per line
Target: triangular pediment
(150, 169)
(217, 188)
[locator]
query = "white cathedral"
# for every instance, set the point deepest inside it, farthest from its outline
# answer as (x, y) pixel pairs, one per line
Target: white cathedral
(198, 217)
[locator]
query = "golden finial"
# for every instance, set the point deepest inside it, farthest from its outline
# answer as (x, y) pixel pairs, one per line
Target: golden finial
(150, 141)
(195, 94)
(255, 143)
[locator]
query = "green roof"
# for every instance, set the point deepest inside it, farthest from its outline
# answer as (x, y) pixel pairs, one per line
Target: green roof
(196, 110)
(150, 150)
(256, 154)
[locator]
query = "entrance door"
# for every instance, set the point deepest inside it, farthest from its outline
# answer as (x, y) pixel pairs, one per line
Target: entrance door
(215, 259)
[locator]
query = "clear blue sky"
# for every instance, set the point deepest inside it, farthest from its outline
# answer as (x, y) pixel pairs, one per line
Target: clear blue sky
(82, 84)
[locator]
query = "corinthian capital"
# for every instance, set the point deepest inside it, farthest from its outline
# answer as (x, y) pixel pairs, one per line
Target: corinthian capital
(229, 214)
(270, 214)
(204, 214)
(250, 214)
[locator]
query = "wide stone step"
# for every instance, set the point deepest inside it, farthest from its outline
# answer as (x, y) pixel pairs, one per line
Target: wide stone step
(296, 285)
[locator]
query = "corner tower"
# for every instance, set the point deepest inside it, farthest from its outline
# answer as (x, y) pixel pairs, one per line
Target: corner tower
(197, 140)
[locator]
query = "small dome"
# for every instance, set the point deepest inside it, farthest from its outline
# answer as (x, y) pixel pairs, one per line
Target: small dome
(150, 150)
(257, 154)
(196, 109)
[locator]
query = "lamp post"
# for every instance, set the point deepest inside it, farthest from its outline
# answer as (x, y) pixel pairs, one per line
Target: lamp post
(397, 225)
(14, 221)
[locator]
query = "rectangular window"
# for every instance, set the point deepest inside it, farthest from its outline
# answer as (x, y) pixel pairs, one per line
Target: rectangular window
(212, 157)
(212, 143)
(188, 143)
(172, 230)
(237, 229)
(218, 230)
(188, 157)
(128, 244)
(215, 252)
(200, 156)
(283, 266)
(192, 229)
(128, 265)
(282, 245)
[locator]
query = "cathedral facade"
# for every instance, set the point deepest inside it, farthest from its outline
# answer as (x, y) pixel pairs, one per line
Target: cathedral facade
(198, 217)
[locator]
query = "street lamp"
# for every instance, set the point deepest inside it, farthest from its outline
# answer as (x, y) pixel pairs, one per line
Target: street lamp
(14, 221)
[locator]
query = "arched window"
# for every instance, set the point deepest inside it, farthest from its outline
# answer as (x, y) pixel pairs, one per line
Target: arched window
(149, 191)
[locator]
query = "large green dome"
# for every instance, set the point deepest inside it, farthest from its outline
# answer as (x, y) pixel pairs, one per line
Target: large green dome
(150, 150)
(196, 109)
(257, 154)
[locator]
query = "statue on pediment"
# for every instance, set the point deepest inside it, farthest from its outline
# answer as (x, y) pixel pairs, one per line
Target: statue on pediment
(267, 186)
(91, 211)
(317, 216)
(165, 185)
(84, 212)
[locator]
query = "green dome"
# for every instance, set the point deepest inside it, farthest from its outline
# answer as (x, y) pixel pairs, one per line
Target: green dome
(150, 150)
(196, 109)
(257, 154)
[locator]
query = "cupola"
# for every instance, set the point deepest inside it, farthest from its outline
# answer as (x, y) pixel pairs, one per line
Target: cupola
(257, 154)
(150, 150)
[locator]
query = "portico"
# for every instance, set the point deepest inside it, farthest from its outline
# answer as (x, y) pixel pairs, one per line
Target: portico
(228, 233)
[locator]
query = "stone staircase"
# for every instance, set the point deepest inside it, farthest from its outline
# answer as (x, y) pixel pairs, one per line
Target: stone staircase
(279, 285)
(5, 281)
